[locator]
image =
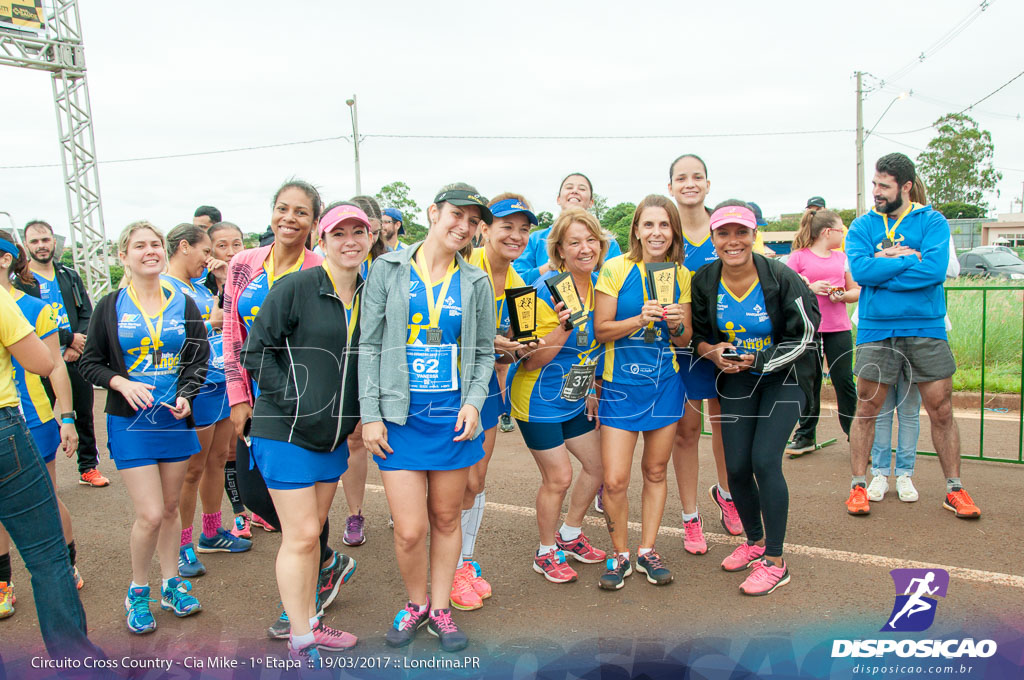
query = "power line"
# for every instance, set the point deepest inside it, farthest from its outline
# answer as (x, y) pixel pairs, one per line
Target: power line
(189, 154)
(471, 137)
(950, 105)
(965, 109)
(917, 148)
(946, 38)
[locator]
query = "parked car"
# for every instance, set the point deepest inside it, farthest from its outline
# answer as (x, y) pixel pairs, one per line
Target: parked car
(989, 261)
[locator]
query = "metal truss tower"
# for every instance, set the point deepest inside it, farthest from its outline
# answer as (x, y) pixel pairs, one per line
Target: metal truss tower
(61, 52)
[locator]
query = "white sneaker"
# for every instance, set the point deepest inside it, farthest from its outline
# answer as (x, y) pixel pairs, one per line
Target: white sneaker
(877, 488)
(905, 488)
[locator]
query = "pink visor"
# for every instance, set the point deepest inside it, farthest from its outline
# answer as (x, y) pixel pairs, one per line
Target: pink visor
(340, 214)
(733, 214)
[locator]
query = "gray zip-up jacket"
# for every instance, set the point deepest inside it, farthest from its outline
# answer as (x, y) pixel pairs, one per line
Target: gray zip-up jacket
(383, 332)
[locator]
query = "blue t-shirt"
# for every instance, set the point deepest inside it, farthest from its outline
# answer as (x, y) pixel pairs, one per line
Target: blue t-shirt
(35, 404)
(537, 395)
(49, 291)
(744, 318)
(206, 302)
(136, 338)
(630, 360)
(699, 254)
(434, 370)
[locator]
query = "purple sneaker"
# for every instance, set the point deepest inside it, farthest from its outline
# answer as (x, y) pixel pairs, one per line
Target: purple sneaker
(354, 530)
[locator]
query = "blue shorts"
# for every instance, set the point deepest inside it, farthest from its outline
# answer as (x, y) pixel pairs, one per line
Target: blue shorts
(47, 439)
(493, 406)
(425, 441)
(541, 436)
(287, 466)
(699, 376)
(643, 407)
(211, 404)
(138, 441)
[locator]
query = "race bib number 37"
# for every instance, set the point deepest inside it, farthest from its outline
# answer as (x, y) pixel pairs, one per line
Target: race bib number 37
(432, 368)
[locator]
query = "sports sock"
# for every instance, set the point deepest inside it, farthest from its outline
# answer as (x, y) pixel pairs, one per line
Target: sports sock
(569, 533)
(726, 496)
(72, 554)
(5, 567)
(420, 607)
(231, 488)
(689, 516)
(302, 641)
(859, 480)
(640, 552)
(623, 554)
(471, 520)
(165, 584)
(211, 522)
(953, 483)
(544, 549)
(186, 535)
(314, 622)
(133, 584)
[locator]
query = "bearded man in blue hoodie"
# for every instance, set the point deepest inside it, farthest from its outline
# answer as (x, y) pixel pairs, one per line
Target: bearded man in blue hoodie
(898, 254)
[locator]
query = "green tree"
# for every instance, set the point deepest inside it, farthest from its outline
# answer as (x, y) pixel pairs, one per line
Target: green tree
(544, 220)
(618, 220)
(600, 207)
(957, 210)
(848, 215)
(957, 164)
(116, 274)
(396, 195)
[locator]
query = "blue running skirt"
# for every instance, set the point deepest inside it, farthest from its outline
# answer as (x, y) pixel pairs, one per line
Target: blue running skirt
(644, 407)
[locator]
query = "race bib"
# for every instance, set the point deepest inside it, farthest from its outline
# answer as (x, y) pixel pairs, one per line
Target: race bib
(432, 368)
(578, 381)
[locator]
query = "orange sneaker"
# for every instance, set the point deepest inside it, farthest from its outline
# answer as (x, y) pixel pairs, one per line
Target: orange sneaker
(857, 503)
(959, 501)
(480, 585)
(463, 596)
(93, 478)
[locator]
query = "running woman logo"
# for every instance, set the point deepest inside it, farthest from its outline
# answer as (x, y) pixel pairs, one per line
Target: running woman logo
(914, 609)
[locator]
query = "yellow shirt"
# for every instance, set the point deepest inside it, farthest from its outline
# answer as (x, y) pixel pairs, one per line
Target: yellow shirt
(13, 327)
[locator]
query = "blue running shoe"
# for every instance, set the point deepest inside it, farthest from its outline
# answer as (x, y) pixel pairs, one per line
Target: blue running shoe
(136, 609)
(175, 598)
(307, 657)
(189, 565)
(224, 541)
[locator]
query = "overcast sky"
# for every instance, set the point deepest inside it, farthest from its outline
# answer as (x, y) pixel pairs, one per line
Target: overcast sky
(179, 77)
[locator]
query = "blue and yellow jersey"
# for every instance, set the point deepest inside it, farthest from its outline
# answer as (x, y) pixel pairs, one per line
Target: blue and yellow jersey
(434, 368)
(252, 296)
(206, 302)
(34, 402)
(364, 267)
(49, 291)
(744, 318)
(512, 280)
(151, 345)
(13, 328)
(537, 395)
(630, 360)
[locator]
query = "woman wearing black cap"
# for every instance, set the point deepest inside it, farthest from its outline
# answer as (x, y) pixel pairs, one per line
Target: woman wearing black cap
(755, 319)
(426, 357)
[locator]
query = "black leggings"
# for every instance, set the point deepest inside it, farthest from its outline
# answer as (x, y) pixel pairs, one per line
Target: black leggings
(837, 347)
(764, 411)
(256, 497)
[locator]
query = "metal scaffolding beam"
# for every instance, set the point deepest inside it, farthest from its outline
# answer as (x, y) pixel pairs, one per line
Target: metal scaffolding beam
(62, 53)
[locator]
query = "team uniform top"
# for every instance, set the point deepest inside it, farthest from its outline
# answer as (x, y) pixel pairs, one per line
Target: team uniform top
(698, 254)
(13, 328)
(537, 395)
(151, 347)
(205, 301)
(630, 360)
(49, 291)
(512, 280)
(744, 318)
(35, 405)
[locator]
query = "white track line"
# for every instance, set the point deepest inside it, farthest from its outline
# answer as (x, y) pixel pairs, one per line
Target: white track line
(977, 575)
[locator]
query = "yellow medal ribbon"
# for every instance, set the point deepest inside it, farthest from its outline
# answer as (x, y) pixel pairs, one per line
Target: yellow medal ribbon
(434, 306)
(154, 331)
(268, 266)
(351, 311)
(498, 300)
(891, 233)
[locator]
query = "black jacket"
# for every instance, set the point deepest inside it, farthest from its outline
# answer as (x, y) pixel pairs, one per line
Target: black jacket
(76, 300)
(299, 354)
(791, 306)
(102, 359)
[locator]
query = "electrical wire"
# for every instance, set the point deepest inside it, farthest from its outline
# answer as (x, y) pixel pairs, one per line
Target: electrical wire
(946, 38)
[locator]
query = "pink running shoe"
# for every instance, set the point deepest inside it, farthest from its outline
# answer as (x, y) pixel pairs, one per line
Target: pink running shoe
(730, 518)
(765, 578)
(243, 527)
(260, 522)
(332, 640)
(552, 565)
(743, 556)
(473, 574)
(580, 549)
(693, 536)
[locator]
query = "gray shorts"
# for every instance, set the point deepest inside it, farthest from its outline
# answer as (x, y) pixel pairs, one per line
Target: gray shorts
(922, 359)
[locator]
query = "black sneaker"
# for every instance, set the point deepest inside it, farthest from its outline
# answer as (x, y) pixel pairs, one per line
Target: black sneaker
(441, 625)
(280, 629)
(800, 445)
(505, 423)
(618, 569)
(406, 624)
(656, 572)
(331, 579)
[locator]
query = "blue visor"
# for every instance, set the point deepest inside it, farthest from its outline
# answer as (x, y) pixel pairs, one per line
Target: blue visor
(510, 206)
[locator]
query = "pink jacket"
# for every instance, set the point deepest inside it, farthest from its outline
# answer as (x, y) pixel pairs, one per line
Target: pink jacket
(244, 267)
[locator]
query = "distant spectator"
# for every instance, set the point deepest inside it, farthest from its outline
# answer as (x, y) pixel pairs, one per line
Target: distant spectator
(206, 216)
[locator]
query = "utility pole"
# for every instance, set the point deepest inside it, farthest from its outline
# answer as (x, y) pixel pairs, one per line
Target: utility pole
(355, 140)
(860, 145)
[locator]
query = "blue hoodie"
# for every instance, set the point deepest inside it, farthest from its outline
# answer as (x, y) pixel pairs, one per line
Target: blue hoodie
(902, 296)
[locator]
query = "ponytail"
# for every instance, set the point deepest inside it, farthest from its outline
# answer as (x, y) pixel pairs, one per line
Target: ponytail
(811, 226)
